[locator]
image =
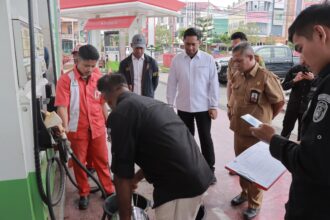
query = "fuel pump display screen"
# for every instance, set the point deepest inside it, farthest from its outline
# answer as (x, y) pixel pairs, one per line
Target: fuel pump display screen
(22, 52)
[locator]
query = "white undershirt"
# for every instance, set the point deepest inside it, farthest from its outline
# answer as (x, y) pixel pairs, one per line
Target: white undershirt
(138, 68)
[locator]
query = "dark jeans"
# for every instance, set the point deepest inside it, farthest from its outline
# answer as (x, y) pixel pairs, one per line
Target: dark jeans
(289, 120)
(203, 122)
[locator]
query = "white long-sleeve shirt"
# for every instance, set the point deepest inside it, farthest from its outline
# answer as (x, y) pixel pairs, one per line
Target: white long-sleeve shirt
(193, 84)
(138, 69)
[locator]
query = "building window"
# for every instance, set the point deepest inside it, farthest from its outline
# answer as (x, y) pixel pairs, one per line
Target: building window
(69, 29)
(262, 6)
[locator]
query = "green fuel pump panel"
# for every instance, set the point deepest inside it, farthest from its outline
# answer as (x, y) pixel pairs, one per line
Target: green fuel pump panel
(19, 197)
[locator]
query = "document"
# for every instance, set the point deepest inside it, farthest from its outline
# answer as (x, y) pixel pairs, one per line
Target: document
(257, 165)
(251, 120)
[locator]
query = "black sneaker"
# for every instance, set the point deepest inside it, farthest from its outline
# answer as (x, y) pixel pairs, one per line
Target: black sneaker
(83, 202)
(250, 213)
(238, 200)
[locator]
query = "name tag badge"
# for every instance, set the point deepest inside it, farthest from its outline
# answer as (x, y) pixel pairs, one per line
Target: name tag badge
(254, 96)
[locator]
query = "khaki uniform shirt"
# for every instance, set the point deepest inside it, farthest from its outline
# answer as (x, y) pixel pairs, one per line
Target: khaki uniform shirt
(254, 94)
(231, 71)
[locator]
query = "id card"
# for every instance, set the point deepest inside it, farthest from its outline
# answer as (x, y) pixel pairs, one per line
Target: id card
(251, 120)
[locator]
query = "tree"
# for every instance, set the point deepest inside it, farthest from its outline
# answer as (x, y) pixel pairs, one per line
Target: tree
(163, 36)
(181, 32)
(251, 30)
(205, 24)
(224, 38)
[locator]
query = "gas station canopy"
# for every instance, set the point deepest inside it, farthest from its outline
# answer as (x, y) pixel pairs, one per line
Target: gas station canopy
(109, 23)
(114, 8)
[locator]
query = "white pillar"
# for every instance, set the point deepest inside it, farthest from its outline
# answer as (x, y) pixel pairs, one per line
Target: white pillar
(151, 31)
(95, 39)
(122, 45)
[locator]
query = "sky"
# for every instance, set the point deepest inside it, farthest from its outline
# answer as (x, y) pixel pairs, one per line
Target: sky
(220, 3)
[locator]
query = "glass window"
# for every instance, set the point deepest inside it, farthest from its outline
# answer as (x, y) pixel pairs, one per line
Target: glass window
(262, 6)
(280, 52)
(265, 53)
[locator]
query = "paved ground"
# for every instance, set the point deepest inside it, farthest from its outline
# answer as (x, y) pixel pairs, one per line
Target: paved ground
(217, 202)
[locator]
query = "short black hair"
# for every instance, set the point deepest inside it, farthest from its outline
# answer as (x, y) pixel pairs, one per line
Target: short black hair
(109, 83)
(88, 52)
(193, 32)
(238, 35)
(318, 14)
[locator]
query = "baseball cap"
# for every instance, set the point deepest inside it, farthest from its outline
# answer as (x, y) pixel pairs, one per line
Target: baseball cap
(138, 41)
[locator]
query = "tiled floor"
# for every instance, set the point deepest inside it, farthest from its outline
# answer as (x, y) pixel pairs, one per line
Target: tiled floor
(217, 202)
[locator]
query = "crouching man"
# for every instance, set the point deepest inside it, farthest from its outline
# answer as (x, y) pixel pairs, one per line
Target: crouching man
(149, 133)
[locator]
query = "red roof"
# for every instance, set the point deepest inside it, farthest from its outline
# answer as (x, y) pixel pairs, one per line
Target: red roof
(173, 5)
(109, 23)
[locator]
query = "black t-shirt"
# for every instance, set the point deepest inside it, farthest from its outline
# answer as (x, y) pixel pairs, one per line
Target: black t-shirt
(149, 133)
(300, 91)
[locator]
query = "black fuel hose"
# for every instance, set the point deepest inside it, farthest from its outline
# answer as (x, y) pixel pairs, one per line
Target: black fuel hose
(72, 180)
(42, 193)
(76, 160)
(55, 161)
(52, 41)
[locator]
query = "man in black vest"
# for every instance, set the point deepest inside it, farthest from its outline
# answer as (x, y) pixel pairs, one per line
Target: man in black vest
(139, 69)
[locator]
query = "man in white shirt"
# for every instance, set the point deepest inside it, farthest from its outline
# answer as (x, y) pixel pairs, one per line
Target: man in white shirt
(193, 89)
(139, 69)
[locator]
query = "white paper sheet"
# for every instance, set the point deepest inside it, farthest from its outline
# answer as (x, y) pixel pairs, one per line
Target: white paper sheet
(257, 165)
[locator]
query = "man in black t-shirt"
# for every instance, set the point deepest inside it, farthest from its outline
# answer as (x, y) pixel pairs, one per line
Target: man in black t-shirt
(299, 80)
(149, 133)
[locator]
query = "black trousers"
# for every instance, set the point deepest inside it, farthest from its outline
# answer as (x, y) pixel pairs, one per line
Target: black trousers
(289, 121)
(203, 122)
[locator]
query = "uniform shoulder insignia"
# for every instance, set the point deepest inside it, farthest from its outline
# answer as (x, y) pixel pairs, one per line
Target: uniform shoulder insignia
(321, 107)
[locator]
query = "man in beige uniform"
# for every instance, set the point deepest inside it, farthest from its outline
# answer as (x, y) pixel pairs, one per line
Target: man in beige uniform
(236, 38)
(255, 91)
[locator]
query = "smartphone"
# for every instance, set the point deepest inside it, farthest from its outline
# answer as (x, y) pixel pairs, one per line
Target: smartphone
(251, 120)
(304, 70)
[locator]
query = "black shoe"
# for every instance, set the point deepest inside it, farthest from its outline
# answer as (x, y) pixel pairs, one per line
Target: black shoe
(238, 200)
(250, 213)
(214, 181)
(83, 202)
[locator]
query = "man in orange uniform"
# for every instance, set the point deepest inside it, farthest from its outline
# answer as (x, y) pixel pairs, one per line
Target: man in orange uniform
(75, 56)
(83, 113)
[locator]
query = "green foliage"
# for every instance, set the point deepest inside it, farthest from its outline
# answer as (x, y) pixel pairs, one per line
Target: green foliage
(181, 33)
(205, 24)
(270, 40)
(113, 65)
(163, 36)
(164, 69)
(251, 30)
(225, 38)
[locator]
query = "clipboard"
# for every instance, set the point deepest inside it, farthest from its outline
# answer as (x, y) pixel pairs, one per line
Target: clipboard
(257, 165)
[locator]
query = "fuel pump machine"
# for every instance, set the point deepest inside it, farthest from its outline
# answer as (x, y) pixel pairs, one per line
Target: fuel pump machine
(19, 194)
